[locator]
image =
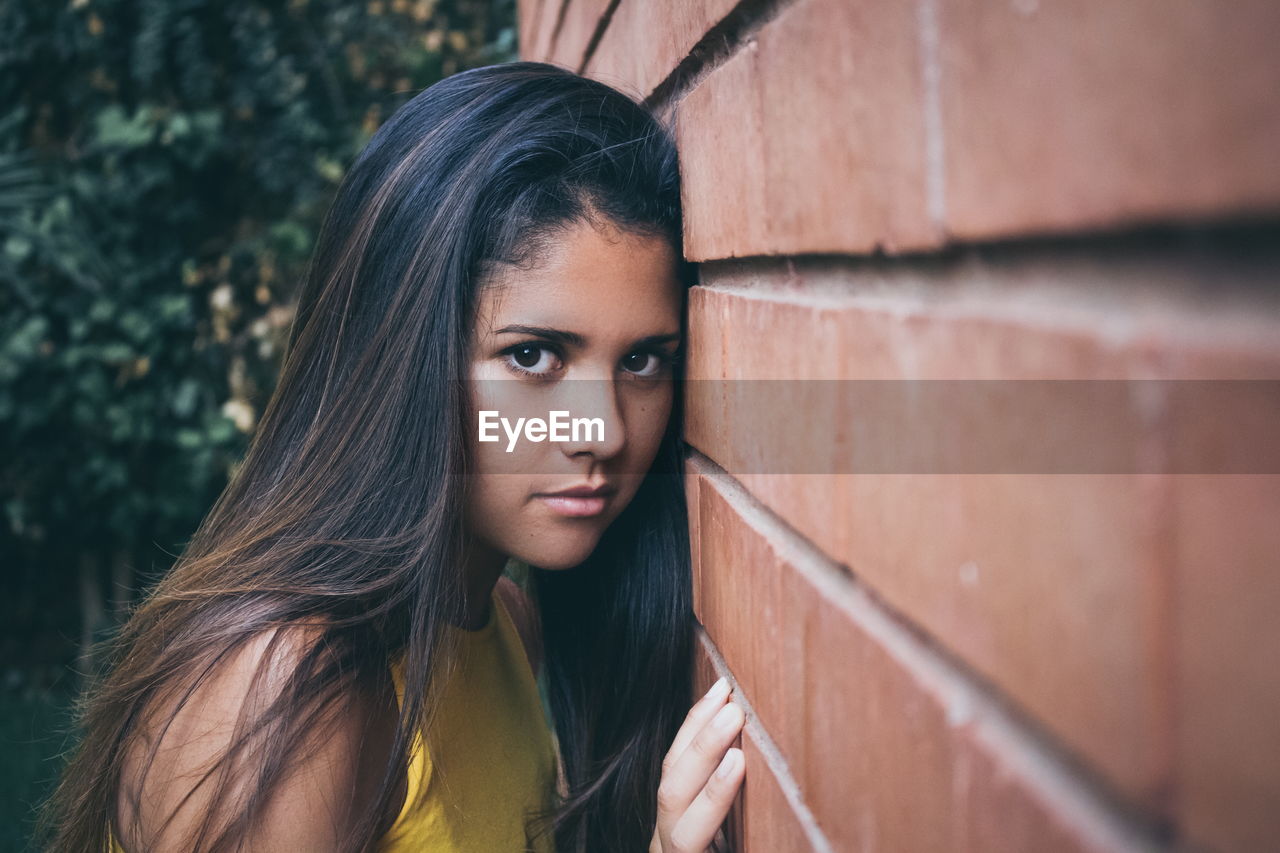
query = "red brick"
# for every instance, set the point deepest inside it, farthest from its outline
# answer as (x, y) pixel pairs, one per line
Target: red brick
(1041, 582)
(889, 748)
(1095, 114)
(647, 39)
(691, 501)
(1228, 645)
(580, 20)
(719, 133)
(527, 21)
(769, 822)
(810, 138)
(1225, 546)
(1009, 571)
(704, 666)
(751, 618)
(537, 24)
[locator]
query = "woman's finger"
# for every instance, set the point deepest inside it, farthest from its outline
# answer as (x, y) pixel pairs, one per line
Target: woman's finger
(704, 709)
(689, 773)
(695, 721)
(696, 828)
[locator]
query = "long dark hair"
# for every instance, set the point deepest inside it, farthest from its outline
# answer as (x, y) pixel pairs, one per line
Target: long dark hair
(345, 511)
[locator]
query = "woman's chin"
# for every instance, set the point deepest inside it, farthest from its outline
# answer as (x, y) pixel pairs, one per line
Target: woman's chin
(560, 555)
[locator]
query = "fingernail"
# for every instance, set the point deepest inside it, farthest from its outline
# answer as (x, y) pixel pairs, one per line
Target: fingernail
(729, 763)
(726, 716)
(719, 688)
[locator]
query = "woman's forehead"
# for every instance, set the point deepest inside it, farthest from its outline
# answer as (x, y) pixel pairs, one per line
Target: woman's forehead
(588, 279)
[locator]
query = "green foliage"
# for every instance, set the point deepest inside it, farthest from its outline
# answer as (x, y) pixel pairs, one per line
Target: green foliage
(163, 168)
(32, 727)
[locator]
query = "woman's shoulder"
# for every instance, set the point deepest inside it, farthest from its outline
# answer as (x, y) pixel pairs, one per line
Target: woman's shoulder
(197, 722)
(525, 617)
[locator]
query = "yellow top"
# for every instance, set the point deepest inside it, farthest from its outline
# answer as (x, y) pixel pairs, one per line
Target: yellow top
(492, 753)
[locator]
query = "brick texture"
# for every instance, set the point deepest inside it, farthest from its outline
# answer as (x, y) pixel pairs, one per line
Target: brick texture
(536, 26)
(1228, 693)
(770, 822)
(647, 39)
(1010, 571)
(914, 759)
(946, 192)
(1061, 116)
(818, 179)
(1224, 551)
(581, 18)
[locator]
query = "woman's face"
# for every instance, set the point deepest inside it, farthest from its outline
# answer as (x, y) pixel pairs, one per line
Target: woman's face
(589, 333)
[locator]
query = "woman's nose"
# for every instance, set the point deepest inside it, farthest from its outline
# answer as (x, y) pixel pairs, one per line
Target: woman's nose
(594, 404)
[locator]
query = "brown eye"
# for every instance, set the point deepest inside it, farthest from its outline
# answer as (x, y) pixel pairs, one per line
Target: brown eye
(531, 359)
(644, 363)
(527, 356)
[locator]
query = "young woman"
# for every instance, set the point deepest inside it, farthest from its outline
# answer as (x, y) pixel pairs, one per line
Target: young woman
(510, 229)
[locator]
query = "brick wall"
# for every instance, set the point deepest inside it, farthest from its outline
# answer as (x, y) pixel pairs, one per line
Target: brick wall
(968, 189)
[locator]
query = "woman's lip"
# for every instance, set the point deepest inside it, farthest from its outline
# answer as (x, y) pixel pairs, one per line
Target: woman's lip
(601, 491)
(575, 507)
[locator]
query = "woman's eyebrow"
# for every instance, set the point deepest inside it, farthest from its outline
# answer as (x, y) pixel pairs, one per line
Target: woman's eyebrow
(659, 339)
(557, 335)
(573, 338)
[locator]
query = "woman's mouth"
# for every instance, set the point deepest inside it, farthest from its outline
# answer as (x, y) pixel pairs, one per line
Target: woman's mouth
(579, 501)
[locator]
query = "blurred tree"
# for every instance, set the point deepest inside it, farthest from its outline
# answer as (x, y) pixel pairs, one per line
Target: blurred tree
(163, 168)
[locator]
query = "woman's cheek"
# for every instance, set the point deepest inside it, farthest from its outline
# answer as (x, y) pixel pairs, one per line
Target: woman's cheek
(647, 438)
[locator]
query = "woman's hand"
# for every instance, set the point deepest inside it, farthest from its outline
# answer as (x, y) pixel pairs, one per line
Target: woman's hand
(692, 802)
